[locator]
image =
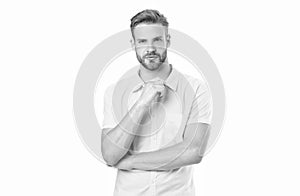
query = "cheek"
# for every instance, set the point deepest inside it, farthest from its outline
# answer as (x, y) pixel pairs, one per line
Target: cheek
(160, 45)
(161, 51)
(139, 51)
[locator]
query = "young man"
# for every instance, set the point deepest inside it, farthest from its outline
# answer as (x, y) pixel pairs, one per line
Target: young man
(165, 128)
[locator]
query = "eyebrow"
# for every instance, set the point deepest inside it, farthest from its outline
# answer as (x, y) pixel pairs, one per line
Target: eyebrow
(139, 39)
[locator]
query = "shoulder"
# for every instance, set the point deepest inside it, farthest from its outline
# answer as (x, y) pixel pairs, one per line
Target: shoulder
(195, 82)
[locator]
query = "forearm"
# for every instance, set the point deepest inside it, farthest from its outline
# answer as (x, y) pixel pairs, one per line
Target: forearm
(117, 141)
(176, 156)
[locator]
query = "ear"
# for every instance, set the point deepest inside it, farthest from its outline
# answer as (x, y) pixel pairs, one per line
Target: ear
(132, 44)
(168, 40)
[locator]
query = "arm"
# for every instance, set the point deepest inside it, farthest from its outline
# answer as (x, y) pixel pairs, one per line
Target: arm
(189, 151)
(117, 141)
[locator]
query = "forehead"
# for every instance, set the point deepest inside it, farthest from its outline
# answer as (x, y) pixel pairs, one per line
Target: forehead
(149, 30)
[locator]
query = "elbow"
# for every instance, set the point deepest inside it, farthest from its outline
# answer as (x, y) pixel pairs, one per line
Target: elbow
(109, 158)
(110, 162)
(197, 157)
(108, 152)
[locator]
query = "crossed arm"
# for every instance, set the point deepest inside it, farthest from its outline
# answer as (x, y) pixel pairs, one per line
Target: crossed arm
(189, 151)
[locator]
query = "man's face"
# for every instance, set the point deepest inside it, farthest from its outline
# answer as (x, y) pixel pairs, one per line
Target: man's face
(151, 42)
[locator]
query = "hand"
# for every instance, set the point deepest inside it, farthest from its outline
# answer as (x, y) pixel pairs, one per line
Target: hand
(152, 90)
(125, 163)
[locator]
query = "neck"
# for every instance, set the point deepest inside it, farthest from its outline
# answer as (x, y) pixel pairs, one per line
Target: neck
(162, 72)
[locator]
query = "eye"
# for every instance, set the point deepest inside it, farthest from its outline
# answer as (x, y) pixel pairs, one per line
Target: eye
(158, 39)
(141, 41)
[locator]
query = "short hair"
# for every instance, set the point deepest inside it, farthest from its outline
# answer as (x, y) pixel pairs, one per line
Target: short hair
(149, 17)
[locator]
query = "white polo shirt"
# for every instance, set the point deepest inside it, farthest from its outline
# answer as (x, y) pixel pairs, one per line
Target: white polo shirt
(187, 100)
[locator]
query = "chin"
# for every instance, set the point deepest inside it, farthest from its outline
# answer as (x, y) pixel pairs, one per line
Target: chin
(152, 67)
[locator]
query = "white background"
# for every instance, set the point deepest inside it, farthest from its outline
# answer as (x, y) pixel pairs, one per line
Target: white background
(255, 45)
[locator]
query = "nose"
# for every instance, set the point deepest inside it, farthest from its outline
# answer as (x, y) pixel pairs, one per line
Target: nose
(150, 49)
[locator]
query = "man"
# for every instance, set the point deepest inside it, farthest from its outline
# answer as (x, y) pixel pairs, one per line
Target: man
(164, 129)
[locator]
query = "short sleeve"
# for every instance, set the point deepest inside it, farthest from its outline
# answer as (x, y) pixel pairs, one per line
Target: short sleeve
(108, 115)
(201, 109)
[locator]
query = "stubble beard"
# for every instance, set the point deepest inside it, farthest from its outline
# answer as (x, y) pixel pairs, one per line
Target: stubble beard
(151, 66)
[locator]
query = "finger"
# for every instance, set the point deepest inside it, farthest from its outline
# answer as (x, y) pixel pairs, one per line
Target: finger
(159, 86)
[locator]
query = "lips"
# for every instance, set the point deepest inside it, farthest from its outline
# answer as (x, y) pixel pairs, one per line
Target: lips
(151, 56)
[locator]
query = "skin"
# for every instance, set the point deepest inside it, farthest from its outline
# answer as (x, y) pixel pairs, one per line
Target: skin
(150, 42)
(189, 151)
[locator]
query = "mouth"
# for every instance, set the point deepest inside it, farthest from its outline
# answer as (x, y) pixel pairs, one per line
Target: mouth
(151, 56)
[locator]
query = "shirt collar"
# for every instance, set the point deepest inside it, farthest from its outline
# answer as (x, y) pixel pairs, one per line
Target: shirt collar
(171, 81)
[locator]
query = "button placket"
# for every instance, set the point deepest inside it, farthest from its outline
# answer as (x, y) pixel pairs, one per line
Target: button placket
(153, 182)
(155, 127)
